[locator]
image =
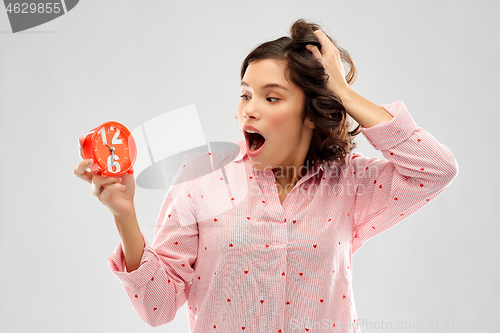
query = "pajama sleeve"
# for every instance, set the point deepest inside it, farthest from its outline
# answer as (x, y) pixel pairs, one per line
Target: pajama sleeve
(417, 168)
(160, 286)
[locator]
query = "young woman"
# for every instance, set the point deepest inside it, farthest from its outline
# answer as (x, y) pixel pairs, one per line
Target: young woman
(265, 243)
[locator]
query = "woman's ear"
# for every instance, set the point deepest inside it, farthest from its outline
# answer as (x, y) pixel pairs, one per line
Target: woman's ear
(309, 123)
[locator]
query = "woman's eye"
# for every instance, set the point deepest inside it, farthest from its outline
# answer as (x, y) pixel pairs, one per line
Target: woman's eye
(245, 97)
(272, 99)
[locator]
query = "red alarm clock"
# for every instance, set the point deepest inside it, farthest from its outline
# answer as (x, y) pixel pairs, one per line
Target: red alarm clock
(112, 148)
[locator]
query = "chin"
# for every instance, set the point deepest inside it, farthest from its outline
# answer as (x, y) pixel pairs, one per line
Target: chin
(259, 165)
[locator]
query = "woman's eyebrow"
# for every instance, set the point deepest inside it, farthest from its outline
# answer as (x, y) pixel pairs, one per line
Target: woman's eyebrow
(267, 86)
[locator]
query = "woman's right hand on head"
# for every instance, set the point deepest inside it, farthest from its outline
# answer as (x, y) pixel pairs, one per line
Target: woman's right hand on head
(116, 193)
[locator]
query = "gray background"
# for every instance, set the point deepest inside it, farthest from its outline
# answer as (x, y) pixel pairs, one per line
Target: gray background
(133, 60)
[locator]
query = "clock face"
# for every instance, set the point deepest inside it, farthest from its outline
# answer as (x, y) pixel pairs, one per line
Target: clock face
(113, 148)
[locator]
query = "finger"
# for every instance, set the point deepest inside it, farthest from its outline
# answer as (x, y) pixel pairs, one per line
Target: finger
(326, 43)
(109, 190)
(99, 183)
(314, 50)
(104, 181)
(318, 33)
(80, 146)
(81, 172)
(321, 36)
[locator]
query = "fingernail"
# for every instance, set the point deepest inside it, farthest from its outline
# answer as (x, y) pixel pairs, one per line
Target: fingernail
(118, 179)
(90, 161)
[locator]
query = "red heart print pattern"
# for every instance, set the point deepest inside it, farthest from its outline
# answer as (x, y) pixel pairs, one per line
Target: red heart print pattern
(261, 301)
(301, 274)
(231, 245)
(246, 272)
(315, 245)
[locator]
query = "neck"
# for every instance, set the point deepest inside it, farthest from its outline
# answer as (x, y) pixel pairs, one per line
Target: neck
(289, 176)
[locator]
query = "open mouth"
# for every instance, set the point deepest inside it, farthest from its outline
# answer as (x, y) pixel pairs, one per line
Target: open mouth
(254, 140)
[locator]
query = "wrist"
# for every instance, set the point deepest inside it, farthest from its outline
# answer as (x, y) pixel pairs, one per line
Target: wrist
(126, 218)
(347, 95)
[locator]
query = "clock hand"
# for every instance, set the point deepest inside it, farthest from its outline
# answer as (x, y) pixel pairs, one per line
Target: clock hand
(107, 140)
(112, 149)
(112, 156)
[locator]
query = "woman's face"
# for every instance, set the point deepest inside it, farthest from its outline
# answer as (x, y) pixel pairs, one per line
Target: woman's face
(273, 105)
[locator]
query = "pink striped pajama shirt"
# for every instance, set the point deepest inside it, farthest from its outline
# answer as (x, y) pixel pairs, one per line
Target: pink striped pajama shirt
(244, 262)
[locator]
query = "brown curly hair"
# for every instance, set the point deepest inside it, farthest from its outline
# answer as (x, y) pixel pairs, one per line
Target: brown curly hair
(331, 140)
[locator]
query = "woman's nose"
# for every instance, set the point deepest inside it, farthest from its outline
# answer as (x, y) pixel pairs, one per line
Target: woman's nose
(250, 110)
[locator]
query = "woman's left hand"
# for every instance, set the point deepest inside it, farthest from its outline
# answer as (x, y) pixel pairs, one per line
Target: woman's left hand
(330, 58)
